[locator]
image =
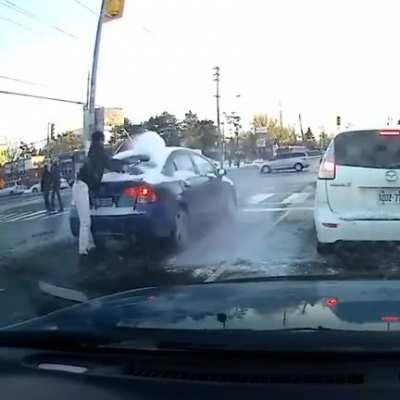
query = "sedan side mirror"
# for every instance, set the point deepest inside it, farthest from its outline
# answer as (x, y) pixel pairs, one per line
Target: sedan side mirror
(221, 172)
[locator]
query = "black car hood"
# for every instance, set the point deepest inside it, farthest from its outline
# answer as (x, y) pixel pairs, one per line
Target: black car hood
(365, 305)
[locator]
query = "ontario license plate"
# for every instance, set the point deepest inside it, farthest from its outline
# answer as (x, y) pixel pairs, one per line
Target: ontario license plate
(389, 196)
(104, 202)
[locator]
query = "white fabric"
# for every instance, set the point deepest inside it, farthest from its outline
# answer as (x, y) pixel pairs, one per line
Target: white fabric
(80, 197)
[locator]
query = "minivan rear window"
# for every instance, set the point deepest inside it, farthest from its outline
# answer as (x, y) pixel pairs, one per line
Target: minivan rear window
(368, 149)
(294, 155)
(282, 156)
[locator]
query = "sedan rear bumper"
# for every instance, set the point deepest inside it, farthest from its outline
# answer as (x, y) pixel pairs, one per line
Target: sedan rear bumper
(139, 224)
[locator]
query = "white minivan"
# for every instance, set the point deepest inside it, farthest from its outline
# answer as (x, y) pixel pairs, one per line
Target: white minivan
(358, 189)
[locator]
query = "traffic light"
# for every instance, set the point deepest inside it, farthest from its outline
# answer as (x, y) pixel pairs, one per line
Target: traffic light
(113, 9)
(52, 126)
(338, 120)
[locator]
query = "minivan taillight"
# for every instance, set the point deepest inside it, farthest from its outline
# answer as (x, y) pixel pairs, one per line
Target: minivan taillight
(142, 193)
(327, 169)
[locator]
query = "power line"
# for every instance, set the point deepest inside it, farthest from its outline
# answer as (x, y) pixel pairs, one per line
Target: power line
(10, 78)
(11, 21)
(85, 7)
(41, 97)
(15, 7)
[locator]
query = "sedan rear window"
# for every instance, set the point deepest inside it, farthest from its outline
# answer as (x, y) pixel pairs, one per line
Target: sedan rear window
(138, 165)
(368, 149)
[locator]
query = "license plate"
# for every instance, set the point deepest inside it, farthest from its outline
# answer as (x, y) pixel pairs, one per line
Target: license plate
(104, 202)
(389, 196)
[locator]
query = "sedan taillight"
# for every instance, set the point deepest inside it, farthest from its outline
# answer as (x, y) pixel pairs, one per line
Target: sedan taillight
(327, 169)
(142, 193)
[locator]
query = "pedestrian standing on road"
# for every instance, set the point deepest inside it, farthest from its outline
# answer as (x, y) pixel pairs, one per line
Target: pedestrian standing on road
(88, 181)
(45, 186)
(55, 186)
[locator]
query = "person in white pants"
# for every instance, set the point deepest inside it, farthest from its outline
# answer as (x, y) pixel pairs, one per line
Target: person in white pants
(89, 179)
(80, 197)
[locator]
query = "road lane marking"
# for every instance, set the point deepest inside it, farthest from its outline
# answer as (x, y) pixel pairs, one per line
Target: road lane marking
(259, 198)
(281, 218)
(24, 215)
(5, 217)
(42, 215)
(276, 209)
(296, 198)
(56, 214)
(36, 215)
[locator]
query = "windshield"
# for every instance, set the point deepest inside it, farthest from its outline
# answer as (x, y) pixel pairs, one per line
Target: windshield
(212, 164)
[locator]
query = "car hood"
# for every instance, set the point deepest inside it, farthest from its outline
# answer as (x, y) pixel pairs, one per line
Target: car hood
(263, 305)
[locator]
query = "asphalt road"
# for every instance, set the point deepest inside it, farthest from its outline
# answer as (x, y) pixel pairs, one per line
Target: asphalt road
(273, 235)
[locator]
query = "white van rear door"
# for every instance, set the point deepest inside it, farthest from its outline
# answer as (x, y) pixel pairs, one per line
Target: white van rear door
(367, 181)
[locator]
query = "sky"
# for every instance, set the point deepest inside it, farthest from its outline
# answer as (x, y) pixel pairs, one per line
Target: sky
(320, 58)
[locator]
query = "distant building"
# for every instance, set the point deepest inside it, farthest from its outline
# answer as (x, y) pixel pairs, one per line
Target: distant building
(70, 163)
(26, 170)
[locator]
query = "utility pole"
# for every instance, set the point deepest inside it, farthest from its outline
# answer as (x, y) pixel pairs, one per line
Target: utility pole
(301, 128)
(48, 141)
(280, 115)
(87, 89)
(89, 109)
(237, 126)
(221, 138)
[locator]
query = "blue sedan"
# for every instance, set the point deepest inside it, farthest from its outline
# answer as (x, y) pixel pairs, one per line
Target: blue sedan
(164, 197)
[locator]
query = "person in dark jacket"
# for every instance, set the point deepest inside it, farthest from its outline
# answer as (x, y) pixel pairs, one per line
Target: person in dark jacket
(88, 180)
(45, 186)
(55, 186)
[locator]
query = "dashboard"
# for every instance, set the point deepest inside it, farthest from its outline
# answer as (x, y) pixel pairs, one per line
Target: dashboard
(122, 374)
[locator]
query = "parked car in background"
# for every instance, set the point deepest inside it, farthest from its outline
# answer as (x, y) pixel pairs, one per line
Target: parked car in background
(12, 189)
(33, 189)
(37, 189)
(358, 197)
(258, 162)
(164, 195)
(286, 161)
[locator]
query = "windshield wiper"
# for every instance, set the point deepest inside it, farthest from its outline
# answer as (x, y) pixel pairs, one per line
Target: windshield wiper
(381, 275)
